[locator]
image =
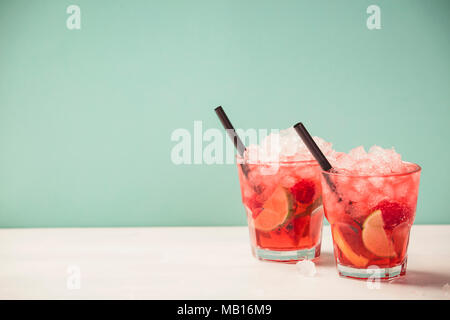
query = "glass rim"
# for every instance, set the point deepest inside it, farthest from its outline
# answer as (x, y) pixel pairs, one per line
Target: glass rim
(246, 161)
(416, 168)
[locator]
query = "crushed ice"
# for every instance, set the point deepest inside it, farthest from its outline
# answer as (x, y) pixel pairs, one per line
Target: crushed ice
(286, 145)
(377, 161)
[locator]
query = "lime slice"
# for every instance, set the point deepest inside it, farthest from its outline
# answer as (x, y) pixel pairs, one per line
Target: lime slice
(276, 210)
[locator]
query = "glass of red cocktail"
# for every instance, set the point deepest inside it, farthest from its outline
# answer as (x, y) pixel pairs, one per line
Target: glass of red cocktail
(371, 217)
(283, 201)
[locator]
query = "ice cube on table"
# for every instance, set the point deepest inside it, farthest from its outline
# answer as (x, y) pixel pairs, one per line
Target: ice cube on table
(306, 268)
(446, 289)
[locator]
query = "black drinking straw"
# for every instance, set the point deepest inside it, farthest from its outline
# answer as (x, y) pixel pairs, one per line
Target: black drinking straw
(317, 154)
(323, 162)
(230, 130)
(236, 140)
(312, 146)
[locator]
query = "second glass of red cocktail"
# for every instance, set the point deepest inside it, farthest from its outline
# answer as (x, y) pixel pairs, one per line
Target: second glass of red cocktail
(371, 218)
(283, 201)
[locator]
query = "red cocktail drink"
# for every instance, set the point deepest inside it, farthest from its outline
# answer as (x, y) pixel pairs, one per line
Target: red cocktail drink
(371, 216)
(283, 201)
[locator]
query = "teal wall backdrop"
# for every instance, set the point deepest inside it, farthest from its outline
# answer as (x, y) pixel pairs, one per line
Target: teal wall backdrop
(86, 115)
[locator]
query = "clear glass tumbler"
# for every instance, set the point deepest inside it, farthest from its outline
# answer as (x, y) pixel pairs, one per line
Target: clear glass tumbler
(371, 219)
(283, 201)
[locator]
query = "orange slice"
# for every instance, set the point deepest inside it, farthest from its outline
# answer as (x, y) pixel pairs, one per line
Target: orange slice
(374, 237)
(356, 259)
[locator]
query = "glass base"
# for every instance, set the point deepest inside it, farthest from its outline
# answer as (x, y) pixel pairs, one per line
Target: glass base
(372, 272)
(287, 255)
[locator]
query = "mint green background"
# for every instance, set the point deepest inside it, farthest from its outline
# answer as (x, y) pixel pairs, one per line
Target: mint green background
(86, 116)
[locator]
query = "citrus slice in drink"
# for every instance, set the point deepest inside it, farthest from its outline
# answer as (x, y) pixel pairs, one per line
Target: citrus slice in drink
(374, 236)
(400, 237)
(276, 210)
(347, 241)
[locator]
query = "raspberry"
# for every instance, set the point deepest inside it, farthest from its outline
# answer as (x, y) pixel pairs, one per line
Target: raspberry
(303, 191)
(393, 213)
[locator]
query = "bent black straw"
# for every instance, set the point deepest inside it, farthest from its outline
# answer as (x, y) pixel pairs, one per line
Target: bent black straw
(230, 130)
(312, 146)
(317, 153)
(236, 140)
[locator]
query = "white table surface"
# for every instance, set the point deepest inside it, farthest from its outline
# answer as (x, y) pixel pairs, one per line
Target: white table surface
(195, 263)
